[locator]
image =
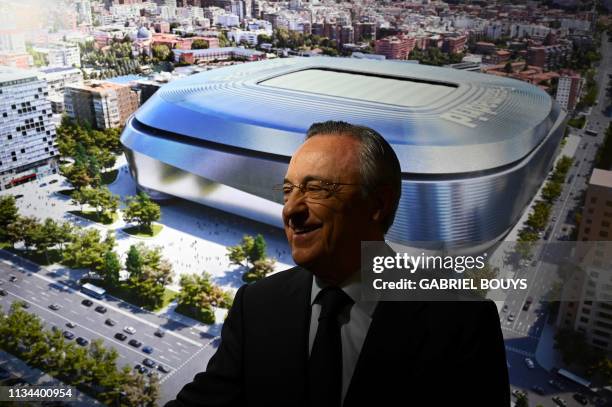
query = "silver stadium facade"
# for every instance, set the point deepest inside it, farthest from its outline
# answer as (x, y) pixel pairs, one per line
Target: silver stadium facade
(474, 148)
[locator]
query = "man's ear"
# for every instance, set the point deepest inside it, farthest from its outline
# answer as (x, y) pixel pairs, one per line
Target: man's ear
(383, 200)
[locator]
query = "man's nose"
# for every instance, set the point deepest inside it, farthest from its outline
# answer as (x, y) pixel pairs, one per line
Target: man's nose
(295, 208)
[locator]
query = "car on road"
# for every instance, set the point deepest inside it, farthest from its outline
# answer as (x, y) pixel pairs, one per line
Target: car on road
(71, 324)
(559, 401)
(135, 343)
(110, 322)
(538, 390)
(556, 384)
(527, 304)
(511, 317)
(87, 303)
(101, 309)
(149, 363)
(68, 335)
(24, 304)
(18, 196)
(3, 292)
(529, 363)
(163, 369)
(12, 278)
(53, 181)
(518, 393)
(120, 336)
(147, 349)
(505, 308)
(54, 307)
(581, 398)
(82, 341)
(129, 329)
(44, 184)
(159, 333)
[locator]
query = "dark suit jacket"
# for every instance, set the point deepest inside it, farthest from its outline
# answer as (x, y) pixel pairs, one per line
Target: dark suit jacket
(415, 353)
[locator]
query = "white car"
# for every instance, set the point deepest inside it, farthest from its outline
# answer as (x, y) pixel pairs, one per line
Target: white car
(130, 330)
(529, 363)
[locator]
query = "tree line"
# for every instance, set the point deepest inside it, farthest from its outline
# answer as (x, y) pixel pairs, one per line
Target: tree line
(92, 369)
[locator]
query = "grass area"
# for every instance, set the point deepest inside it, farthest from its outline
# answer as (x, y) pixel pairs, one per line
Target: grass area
(126, 293)
(577, 122)
(108, 177)
(44, 259)
(93, 216)
(138, 232)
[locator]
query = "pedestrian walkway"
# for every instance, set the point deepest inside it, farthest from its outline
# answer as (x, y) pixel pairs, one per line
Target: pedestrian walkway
(19, 368)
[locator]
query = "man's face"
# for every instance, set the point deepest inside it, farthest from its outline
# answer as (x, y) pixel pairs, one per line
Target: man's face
(325, 234)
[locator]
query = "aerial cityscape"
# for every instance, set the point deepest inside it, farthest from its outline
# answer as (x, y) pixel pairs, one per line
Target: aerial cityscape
(141, 140)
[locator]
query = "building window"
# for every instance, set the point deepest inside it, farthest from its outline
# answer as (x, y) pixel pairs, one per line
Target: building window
(10, 137)
(605, 223)
(584, 319)
(603, 233)
(586, 311)
(594, 200)
(23, 150)
(589, 221)
(602, 344)
(587, 230)
(590, 210)
(608, 203)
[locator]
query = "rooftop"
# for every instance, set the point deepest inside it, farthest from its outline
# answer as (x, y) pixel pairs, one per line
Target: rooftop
(8, 74)
(601, 178)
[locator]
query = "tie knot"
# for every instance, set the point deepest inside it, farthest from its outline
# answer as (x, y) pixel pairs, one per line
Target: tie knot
(332, 300)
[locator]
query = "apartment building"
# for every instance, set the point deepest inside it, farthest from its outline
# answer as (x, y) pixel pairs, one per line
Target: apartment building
(27, 135)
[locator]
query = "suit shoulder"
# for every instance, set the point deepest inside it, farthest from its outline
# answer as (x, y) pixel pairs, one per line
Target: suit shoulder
(295, 276)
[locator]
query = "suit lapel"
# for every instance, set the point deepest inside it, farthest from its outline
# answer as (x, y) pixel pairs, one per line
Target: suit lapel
(389, 343)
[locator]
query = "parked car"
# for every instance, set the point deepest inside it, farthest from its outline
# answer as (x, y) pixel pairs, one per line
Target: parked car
(163, 369)
(143, 370)
(24, 304)
(538, 389)
(18, 196)
(120, 336)
(135, 343)
(12, 278)
(129, 329)
(511, 317)
(3, 292)
(110, 322)
(82, 341)
(505, 308)
(527, 304)
(559, 401)
(160, 333)
(529, 363)
(147, 349)
(53, 181)
(149, 363)
(54, 307)
(101, 309)
(68, 335)
(87, 303)
(581, 398)
(556, 384)
(71, 325)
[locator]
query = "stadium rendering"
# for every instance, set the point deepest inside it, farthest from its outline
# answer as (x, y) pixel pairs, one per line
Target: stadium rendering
(473, 148)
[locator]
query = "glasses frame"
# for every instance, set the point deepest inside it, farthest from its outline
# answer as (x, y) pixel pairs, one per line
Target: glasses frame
(330, 187)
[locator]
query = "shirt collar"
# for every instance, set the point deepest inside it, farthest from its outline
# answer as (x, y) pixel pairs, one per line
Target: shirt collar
(352, 288)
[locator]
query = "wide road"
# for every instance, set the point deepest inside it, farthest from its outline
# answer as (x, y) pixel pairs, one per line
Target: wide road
(181, 351)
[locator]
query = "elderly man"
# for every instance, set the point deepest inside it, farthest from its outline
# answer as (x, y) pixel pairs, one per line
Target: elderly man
(305, 337)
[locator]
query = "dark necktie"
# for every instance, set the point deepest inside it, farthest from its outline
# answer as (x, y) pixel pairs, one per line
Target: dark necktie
(325, 363)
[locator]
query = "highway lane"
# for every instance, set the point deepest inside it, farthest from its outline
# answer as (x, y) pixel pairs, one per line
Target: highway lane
(183, 355)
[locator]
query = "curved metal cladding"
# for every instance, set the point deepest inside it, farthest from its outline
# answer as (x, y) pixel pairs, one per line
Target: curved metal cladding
(473, 148)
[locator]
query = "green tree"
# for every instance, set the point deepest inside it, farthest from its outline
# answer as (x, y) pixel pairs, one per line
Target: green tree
(161, 52)
(134, 262)
(508, 67)
(261, 268)
(257, 250)
(87, 250)
(142, 210)
(198, 296)
(111, 268)
(8, 214)
(199, 44)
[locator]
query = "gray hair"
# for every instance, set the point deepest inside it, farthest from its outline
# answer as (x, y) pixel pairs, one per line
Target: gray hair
(379, 164)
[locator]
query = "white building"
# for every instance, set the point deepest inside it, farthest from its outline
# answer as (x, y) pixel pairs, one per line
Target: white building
(62, 54)
(83, 9)
(227, 20)
(27, 134)
(58, 78)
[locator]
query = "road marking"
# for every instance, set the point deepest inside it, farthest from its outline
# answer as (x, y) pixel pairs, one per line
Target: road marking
(171, 350)
(180, 344)
(29, 291)
(129, 314)
(163, 357)
(68, 299)
(90, 319)
(149, 335)
(188, 360)
(74, 312)
(88, 329)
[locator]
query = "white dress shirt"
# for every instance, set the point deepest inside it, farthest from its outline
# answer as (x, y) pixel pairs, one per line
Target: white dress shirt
(354, 328)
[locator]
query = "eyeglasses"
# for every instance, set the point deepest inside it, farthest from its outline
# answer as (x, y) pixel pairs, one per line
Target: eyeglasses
(313, 189)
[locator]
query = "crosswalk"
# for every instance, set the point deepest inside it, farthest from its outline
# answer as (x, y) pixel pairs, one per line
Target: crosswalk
(520, 352)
